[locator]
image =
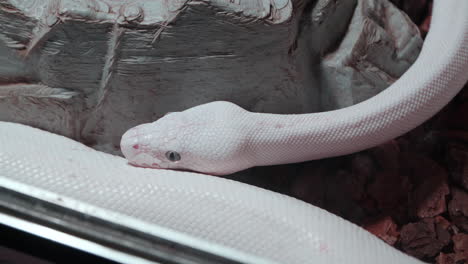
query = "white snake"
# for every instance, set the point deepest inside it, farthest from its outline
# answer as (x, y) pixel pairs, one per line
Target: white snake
(221, 138)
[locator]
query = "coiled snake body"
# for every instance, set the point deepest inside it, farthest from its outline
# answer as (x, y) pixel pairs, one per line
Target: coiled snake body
(221, 138)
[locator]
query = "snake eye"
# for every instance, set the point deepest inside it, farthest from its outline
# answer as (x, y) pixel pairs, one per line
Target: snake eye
(173, 156)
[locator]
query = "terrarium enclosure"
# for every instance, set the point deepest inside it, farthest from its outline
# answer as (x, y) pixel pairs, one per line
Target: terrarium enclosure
(92, 69)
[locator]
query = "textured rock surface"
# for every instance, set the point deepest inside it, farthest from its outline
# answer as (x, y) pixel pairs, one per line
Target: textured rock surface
(130, 62)
(35, 104)
(424, 239)
(380, 45)
(460, 245)
(458, 208)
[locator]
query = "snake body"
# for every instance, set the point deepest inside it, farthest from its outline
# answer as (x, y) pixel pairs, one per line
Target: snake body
(220, 138)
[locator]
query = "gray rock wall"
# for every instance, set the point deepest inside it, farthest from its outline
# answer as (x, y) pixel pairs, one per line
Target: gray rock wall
(92, 69)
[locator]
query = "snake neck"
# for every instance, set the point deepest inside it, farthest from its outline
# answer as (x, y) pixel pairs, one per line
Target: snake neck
(430, 83)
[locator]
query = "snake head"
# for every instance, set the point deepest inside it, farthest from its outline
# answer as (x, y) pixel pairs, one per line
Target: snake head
(208, 138)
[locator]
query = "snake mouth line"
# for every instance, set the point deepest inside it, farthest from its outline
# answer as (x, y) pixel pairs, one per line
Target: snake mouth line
(156, 166)
(145, 165)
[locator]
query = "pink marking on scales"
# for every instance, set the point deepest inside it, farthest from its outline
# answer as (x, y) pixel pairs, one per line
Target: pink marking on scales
(323, 248)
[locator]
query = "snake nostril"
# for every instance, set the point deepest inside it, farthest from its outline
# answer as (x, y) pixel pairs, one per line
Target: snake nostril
(129, 144)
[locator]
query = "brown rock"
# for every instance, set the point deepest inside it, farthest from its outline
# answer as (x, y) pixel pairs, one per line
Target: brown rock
(423, 239)
(369, 205)
(458, 208)
(441, 221)
(457, 159)
(445, 258)
(428, 198)
(384, 228)
(362, 169)
(362, 164)
(309, 184)
(354, 185)
(412, 165)
(340, 193)
(388, 190)
(324, 185)
(443, 234)
(460, 242)
(429, 181)
(460, 259)
(460, 246)
(387, 156)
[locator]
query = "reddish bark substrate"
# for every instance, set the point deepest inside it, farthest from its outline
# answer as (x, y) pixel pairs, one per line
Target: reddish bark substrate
(412, 192)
